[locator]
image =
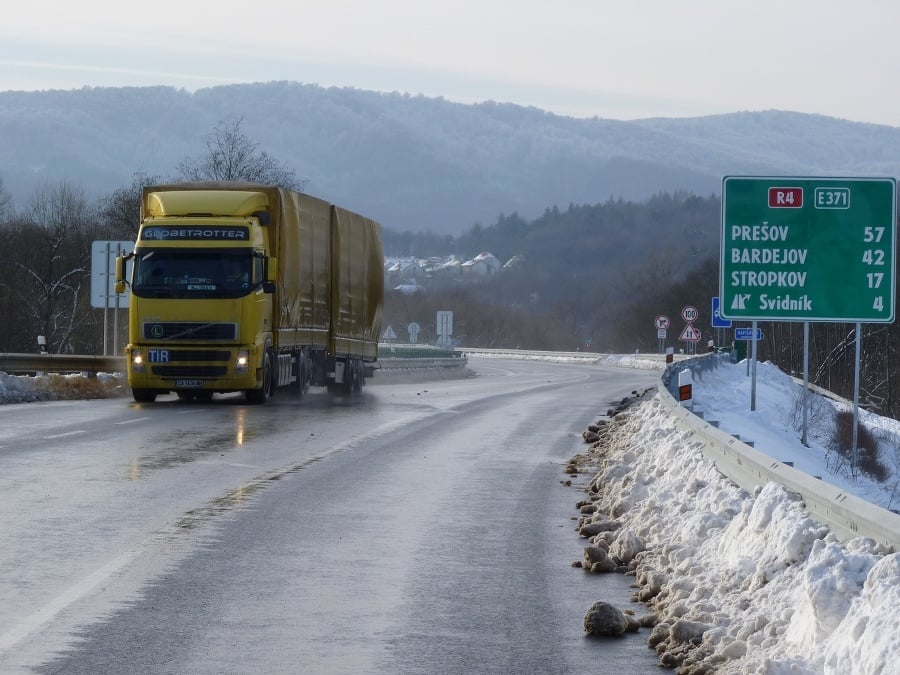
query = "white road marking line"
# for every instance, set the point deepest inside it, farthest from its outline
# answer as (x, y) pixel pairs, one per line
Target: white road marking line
(68, 433)
(43, 615)
(137, 419)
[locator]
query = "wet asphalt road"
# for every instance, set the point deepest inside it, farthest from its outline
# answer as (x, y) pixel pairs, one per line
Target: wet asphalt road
(419, 528)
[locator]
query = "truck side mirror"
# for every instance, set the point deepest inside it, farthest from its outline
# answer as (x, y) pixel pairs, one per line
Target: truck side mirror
(268, 285)
(120, 286)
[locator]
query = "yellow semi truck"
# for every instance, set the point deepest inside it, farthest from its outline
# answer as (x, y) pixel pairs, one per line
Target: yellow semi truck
(247, 287)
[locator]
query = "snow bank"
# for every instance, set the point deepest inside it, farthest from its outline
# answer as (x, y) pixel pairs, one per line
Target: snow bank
(55, 387)
(739, 583)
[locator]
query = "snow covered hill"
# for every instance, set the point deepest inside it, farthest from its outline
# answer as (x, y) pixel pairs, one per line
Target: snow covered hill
(417, 163)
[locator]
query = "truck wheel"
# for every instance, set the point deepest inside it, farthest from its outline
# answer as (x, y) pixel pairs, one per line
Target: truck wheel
(359, 376)
(262, 394)
(143, 395)
(301, 386)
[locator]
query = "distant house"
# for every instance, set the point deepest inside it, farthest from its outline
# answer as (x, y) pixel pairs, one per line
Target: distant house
(402, 271)
(482, 265)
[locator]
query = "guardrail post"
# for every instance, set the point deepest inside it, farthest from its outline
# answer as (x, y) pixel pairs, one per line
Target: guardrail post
(686, 388)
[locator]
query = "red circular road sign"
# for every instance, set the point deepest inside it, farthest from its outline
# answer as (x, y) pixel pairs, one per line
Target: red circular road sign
(661, 322)
(689, 313)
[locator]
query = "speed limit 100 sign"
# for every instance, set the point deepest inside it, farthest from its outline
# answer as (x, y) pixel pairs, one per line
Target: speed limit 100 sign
(689, 313)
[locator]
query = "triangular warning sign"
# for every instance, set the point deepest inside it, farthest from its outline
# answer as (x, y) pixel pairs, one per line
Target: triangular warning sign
(689, 334)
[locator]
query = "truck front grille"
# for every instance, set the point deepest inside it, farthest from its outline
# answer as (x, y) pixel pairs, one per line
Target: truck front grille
(189, 371)
(189, 330)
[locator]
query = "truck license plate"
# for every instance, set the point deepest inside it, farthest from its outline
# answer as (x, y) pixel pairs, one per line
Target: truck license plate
(189, 383)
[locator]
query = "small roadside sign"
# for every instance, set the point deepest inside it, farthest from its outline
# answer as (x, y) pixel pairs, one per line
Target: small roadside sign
(747, 334)
(689, 313)
(413, 330)
(661, 322)
(690, 334)
(717, 320)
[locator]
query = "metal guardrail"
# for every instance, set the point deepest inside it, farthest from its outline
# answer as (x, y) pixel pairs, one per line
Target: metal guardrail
(61, 363)
(847, 515)
(72, 363)
(410, 363)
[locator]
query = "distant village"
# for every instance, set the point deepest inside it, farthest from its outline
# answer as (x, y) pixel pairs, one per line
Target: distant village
(418, 275)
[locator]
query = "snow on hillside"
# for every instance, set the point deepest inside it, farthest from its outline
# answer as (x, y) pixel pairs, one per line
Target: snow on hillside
(723, 394)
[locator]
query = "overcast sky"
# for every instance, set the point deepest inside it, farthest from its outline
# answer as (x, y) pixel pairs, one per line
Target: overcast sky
(620, 59)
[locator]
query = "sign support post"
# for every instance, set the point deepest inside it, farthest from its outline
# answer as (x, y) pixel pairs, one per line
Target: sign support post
(753, 367)
(856, 401)
(804, 439)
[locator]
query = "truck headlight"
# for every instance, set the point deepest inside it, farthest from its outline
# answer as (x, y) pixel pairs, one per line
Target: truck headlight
(137, 361)
(242, 362)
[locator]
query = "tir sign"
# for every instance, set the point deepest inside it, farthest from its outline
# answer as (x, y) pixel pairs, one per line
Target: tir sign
(785, 198)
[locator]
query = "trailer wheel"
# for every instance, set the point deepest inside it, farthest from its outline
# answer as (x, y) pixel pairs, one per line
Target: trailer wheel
(301, 387)
(143, 395)
(262, 394)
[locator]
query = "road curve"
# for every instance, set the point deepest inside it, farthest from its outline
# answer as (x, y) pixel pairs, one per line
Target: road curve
(421, 527)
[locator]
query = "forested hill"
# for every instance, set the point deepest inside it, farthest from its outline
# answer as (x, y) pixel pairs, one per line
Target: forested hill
(417, 163)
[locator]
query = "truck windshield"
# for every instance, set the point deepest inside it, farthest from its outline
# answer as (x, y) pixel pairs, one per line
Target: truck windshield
(193, 273)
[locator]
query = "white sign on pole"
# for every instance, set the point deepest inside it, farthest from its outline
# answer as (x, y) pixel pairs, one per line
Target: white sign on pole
(445, 323)
(445, 328)
(103, 273)
(413, 330)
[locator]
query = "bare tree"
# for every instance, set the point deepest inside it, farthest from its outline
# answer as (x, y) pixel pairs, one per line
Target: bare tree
(120, 211)
(232, 155)
(49, 265)
(5, 204)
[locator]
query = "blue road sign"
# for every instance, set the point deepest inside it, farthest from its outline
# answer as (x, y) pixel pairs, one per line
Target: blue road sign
(717, 320)
(747, 334)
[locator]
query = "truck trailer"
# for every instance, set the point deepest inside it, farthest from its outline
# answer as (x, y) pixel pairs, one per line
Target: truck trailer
(252, 288)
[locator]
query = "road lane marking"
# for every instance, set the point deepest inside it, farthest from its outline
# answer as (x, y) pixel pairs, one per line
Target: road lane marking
(68, 433)
(138, 419)
(46, 613)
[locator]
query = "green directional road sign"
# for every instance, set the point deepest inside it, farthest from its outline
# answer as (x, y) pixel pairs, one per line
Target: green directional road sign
(808, 249)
